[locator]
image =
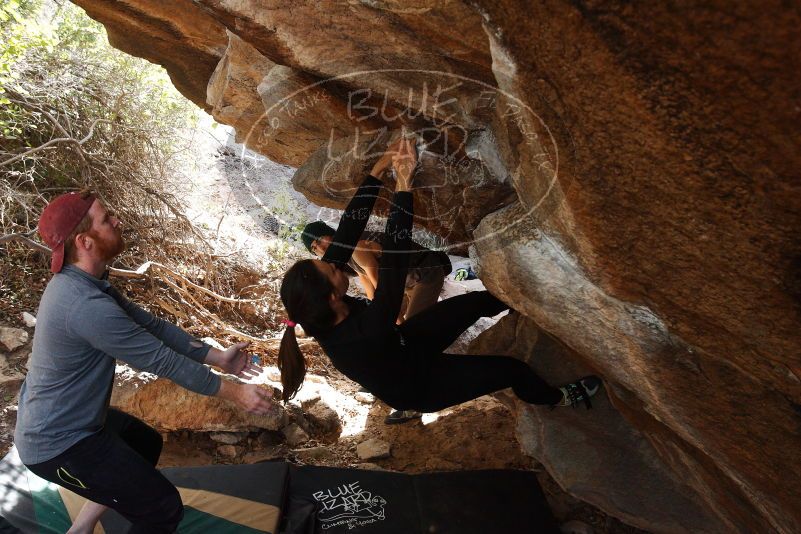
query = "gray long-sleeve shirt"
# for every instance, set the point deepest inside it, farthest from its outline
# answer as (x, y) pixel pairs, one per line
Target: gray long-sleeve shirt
(83, 325)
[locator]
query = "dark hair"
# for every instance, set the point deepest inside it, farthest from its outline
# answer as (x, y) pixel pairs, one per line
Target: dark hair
(314, 231)
(305, 292)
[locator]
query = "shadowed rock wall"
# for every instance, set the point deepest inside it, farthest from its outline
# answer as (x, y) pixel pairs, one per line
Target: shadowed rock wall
(597, 456)
(630, 179)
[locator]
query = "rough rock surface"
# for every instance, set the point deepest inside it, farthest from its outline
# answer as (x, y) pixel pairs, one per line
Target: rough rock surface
(272, 453)
(653, 153)
(256, 96)
(184, 39)
(450, 200)
(28, 319)
(313, 453)
(295, 435)
(167, 406)
(12, 338)
(324, 419)
(227, 438)
(373, 449)
(229, 451)
(7, 373)
(596, 455)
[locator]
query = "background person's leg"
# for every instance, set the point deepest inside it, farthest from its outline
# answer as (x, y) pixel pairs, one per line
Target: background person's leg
(404, 304)
(450, 380)
(423, 295)
(87, 518)
(437, 327)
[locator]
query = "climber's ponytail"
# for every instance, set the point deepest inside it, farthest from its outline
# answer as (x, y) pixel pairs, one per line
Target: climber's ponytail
(305, 293)
(291, 364)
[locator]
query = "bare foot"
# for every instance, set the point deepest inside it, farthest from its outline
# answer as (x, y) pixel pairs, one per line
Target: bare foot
(82, 529)
(87, 518)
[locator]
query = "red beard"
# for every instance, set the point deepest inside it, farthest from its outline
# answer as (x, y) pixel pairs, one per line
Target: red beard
(108, 249)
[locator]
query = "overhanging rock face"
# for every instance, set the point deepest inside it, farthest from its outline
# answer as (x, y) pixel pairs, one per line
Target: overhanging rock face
(629, 177)
(596, 455)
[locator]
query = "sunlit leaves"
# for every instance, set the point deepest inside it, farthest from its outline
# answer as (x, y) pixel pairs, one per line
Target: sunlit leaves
(93, 116)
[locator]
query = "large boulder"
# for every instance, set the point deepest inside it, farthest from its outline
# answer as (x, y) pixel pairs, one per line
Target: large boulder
(450, 197)
(188, 42)
(12, 338)
(664, 249)
(276, 110)
(707, 418)
(644, 158)
(381, 47)
(596, 455)
(290, 96)
(168, 407)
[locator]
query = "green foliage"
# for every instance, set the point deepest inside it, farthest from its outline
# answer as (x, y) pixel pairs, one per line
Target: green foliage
(77, 113)
(18, 33)
(45, 39)
(285, 209)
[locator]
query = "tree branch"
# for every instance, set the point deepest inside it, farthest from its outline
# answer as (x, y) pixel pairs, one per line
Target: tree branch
(142, 272)
(56, 141)
(25, 238)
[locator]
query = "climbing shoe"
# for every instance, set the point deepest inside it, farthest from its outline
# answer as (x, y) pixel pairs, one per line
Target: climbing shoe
(580, 391)
(401, 416)
(463, 273)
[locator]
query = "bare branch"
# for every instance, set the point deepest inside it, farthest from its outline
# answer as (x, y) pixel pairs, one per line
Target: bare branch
(142, 272)
(53, 142)
(25, 238)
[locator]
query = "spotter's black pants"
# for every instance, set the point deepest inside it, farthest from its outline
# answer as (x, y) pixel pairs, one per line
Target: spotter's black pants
(116, 467)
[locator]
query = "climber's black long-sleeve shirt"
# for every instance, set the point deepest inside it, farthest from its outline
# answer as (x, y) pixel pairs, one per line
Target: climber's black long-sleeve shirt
(399, 365)
(366, 346)
(353, 221)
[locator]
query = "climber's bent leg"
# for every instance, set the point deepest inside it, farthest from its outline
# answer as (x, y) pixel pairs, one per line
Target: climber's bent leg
(450, 380)
(435, 328)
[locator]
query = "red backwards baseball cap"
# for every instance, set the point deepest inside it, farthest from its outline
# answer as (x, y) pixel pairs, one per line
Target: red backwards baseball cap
(59, 219)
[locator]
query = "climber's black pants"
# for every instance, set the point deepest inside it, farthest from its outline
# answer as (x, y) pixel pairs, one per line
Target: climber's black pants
(446, 380)
(116, 467)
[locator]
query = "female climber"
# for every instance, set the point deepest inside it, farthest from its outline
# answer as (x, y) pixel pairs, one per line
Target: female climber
(403, 365)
